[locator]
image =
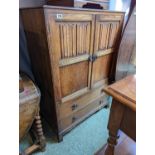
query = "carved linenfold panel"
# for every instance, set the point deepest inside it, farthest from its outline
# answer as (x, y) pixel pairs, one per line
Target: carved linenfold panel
(103, 35)
(106, 35)
(114, 27)
(74, 38)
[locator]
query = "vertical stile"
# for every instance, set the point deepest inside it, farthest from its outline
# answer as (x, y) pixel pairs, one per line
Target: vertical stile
(88, 36)
(97, 36)
(67, 38)
(65, 41)
(61, 40)
(70, 40)
(107, 35)
(74, 39)
(84, 38)
(78, 39)
(100, 36)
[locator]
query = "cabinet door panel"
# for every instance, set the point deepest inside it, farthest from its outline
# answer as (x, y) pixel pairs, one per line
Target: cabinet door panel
(106, 34)
(102, 68)
(114, 27)
(70, 37)
(101, 36)
(74, 77)
(74, 38)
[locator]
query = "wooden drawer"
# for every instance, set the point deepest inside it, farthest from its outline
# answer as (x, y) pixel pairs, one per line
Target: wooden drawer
(71, 106)
(77, 117)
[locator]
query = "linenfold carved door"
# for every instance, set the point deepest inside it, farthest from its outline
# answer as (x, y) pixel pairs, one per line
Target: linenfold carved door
(107, 29)
(71, 40)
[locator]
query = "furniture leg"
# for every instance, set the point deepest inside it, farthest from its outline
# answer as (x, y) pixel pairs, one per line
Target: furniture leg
(116, 115)
(39, 132)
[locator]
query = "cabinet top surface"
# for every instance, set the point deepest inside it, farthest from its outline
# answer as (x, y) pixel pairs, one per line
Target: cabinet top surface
(72, 8)
(79, 9)
(124, 90)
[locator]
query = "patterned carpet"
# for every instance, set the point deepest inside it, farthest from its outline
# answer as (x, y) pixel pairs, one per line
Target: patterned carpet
(85, 139)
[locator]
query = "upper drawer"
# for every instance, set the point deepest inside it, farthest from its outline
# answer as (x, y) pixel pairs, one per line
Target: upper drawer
(71, 106)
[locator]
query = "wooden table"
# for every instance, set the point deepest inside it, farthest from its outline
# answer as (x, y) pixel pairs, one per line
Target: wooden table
(29, 118)
(123, 111)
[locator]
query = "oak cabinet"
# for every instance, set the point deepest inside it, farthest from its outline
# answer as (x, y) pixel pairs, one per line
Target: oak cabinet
(71, 51)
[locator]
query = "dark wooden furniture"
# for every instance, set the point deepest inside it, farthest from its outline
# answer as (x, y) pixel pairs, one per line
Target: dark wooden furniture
(72, 51)
(123, 111)
(29, 99)
(94, 4)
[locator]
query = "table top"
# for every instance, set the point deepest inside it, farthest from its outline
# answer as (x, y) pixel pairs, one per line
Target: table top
(124, 91)
(30, 93)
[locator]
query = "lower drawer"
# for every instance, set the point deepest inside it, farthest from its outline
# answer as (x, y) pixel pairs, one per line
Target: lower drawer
(77, 117)
(69, 107)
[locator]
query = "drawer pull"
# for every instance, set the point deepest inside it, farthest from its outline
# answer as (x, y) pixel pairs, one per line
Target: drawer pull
(74, 119)
(74, 106)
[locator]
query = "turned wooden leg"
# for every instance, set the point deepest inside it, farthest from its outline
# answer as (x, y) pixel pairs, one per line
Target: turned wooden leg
(39, 132)
(116, 116)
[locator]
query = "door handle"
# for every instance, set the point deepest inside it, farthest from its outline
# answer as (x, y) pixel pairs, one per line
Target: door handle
(92, 57)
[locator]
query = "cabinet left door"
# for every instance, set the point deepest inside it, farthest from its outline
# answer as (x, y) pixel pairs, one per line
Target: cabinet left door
(70, 40)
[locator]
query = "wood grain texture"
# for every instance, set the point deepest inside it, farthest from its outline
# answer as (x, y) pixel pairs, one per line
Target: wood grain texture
(74, 78)
(78, 116)
(101, 68)
(67, 107)
(61, 44)
(124, 91)
(122, 112)
(113, 34)
(73, 60)
(30, 97)
(35, 30)
(107, 33)
(29, 100)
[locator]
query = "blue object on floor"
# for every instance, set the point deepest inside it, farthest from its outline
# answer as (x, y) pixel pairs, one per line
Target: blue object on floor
(85, 139)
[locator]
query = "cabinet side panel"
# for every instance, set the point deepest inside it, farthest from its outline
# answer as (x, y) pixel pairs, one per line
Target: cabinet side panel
(34, 26)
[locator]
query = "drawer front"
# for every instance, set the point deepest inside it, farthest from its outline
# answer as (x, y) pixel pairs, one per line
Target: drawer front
(71, 106)
(80, 115)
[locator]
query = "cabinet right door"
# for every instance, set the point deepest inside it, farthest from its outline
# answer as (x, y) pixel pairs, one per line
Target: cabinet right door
(107, 32)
